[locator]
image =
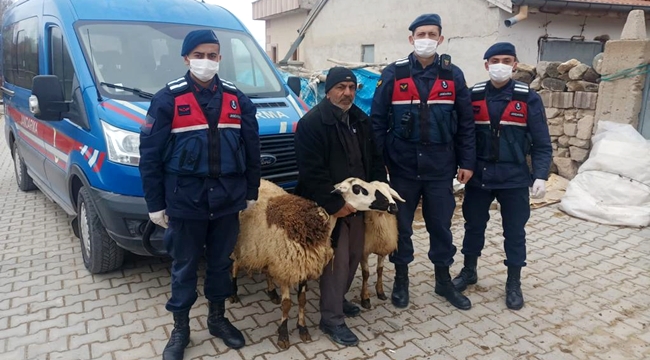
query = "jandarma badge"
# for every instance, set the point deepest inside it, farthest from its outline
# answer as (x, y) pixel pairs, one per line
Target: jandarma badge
(184, 110)
(233, 104)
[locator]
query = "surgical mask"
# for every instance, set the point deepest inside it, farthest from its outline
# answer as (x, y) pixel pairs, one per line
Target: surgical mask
(204, 69)
(425, 48)
(500, 72)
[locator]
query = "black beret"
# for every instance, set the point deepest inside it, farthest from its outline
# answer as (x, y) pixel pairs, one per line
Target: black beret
(501, 48)
(196, 38)
(426, 19)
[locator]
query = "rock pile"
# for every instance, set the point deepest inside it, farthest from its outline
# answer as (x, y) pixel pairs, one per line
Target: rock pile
(569, 76)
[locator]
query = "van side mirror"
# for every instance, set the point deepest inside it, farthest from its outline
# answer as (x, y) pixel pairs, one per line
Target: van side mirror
(294, 84)
(47, 102)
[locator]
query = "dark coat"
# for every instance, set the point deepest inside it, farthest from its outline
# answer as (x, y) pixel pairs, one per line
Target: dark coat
(322, 156)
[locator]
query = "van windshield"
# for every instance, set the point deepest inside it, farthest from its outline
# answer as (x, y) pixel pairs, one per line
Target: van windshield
(146, 56)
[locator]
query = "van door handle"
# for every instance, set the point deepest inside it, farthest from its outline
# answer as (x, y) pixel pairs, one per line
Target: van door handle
(7, 91)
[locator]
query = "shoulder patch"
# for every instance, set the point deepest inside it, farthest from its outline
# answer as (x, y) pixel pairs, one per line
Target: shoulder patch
(178, 85)
(227, 85)
(402, 62)
(478, 87)
(521, 87)
(379, 82)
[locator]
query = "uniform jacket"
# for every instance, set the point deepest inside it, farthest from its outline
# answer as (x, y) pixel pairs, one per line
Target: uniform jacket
(511, 171)
(195, 195)
(416, 160)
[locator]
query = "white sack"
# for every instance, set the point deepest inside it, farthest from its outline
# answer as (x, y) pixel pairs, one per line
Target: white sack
(613, 186)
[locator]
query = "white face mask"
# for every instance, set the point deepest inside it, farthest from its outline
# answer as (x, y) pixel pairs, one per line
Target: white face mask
(204, 69)
(500, 72)
(425, 48)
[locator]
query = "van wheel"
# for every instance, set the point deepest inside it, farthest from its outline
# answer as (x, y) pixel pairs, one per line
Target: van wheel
(24, 181)
(100, 253)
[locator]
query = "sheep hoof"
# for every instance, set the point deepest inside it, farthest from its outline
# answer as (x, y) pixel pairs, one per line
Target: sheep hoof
(382, 296)
(304, 333)
(234, 299)
(283, 338)
(365, 303)
(273, 295)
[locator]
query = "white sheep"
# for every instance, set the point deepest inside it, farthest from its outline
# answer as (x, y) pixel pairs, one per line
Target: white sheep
(287, 237)
(380, 239)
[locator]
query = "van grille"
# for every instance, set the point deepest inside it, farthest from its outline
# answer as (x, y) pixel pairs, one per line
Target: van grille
(285, 168)
(269, 105)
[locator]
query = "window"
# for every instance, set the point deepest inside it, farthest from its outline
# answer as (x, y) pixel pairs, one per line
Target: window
(247, 71)
(9, 66)
(368, 53)
(146, 56)
(566, 49)
(294, 57)
(61, 62)
(21, 46)
(274, 54)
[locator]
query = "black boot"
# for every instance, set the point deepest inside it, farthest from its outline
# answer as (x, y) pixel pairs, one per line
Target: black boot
(514, 297)
(179, 338)
(220, 327)
(467, 275)
(445, 288)
(400, 295)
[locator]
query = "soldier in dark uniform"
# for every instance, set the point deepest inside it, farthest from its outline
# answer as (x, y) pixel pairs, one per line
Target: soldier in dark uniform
(422, 118)
(200, 166)
(510, 124)
(334, 141)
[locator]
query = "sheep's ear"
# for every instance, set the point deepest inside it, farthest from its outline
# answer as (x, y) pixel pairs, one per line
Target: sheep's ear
(395, 195)
(342, 187)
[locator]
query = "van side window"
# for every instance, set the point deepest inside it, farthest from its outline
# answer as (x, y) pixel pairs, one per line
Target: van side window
(61, 62)
(8, 55)
(21, 52)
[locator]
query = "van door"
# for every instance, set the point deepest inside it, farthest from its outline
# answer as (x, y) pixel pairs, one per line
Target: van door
(74, 124)
(21, 64)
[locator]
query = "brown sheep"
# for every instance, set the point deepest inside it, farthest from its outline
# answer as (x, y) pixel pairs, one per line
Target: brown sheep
(288, 238)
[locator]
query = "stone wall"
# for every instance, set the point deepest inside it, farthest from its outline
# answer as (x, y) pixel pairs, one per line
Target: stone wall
(569, 91)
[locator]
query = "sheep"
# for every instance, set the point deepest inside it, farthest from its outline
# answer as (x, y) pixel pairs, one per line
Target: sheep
(287, 237)
(380, 239)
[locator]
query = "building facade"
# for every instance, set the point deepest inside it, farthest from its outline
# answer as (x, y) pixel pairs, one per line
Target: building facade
(376, 31)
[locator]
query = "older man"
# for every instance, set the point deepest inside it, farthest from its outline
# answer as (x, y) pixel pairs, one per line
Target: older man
(334, 141)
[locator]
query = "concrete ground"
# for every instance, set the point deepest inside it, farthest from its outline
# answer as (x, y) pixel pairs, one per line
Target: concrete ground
(587, 291)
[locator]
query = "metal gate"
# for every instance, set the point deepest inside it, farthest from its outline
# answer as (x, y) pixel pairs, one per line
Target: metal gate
(644, 117)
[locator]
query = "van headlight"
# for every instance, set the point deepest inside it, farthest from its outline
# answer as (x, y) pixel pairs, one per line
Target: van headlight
(123, 146)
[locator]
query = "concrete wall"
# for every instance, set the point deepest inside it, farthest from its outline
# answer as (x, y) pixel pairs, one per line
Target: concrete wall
(469, 28)
(283, 31)
(384, 23)
(526, 33)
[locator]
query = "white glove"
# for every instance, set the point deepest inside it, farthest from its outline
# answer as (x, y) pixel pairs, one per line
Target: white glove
(538, 191)
(159, 218)
(250, 203)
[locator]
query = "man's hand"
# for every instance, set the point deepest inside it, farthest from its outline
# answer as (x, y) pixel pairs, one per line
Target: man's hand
(159, 218)
(538, 190)
(250, 203)
(346, 210)
(464, 175)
